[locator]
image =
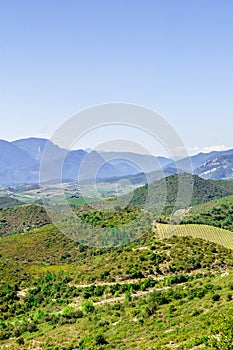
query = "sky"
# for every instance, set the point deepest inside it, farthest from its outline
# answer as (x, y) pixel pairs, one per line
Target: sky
(172, 56)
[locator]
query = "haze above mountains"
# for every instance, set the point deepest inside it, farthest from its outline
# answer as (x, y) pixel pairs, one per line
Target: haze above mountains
(20, 163)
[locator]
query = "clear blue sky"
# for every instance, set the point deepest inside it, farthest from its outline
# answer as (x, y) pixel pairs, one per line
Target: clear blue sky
(174, 56)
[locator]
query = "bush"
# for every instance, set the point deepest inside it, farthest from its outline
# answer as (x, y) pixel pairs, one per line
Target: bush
(86, 294)
(151, 309)
(104, 274)
(88, 306)
(20, 341)
(32, 327)
(216, 297)
(4, 335)
(116, 307)
(70, 312)
(196, 312)
(100, 340)
(128, 297)
(20, 329)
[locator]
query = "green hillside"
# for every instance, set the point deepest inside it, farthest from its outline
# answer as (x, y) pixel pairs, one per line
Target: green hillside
(22, 218)
(6, 202)
(43, 250)
(203, 191)
(161, 291)
(218, 212)
(58, 294)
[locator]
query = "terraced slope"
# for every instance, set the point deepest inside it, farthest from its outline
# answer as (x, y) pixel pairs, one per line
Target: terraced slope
(205, 232)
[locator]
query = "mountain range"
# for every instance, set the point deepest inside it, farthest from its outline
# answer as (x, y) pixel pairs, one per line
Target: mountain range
(20, 163)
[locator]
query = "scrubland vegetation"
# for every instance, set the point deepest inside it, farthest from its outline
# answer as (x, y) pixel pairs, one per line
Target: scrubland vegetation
(160, 291)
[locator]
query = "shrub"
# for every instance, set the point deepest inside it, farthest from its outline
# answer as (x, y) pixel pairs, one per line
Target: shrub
(196, 312)
(88, 306)
(86, 294)
(70, 312)
(104, 274)
(216, 297)
(128, 297)
(151, 309)
(32, 327)
(20, 341)
(4, 335)
(100, 340)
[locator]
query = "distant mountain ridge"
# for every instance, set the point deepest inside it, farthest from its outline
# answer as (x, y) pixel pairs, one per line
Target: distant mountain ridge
(16, 165)
(218, 167)
(20, 163)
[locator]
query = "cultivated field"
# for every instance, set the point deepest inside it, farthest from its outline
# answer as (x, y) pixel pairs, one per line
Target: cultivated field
(208, 233)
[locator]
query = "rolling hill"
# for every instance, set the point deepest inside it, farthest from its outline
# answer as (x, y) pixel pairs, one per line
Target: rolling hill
(203, 191)
(57, 294)
(217, 213)
(22, 218)
(6, 202)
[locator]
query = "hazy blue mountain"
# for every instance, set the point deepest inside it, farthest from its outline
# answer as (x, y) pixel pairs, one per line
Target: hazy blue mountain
(144, 178)
(89, 164)
(15, 164)
(33, 146)
(124, 167)
(83, 165)
(12, 156)
(136, 162)
(20, 163)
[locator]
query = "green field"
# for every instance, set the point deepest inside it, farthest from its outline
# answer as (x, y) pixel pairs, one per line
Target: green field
(208, 233)
(74, 193)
